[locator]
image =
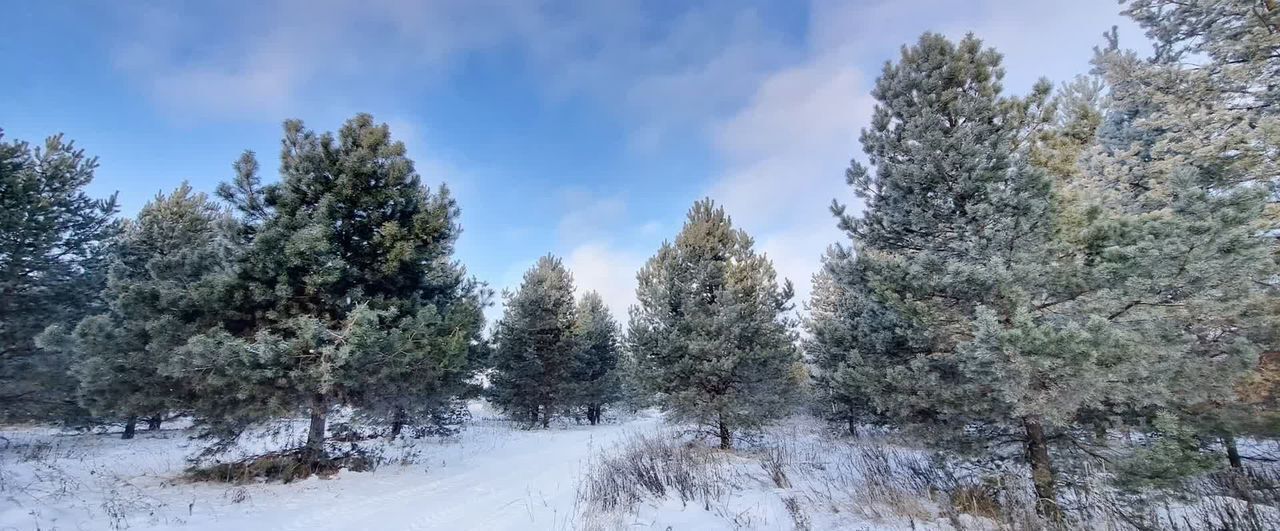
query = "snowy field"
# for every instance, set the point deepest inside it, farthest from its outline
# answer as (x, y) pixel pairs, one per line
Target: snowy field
(632, 473)
(489, 477)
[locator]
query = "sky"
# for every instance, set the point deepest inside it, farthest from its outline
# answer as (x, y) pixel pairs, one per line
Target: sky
(585, 129)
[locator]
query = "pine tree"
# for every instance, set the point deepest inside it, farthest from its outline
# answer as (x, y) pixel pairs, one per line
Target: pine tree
(711, 329)
(54, 240)
(347, 293)
(164, 280)
(948, 259)
(536, 345)
(634, 393)
(593, 378)
(1203, 114)
(976, 308)
(1210, 84)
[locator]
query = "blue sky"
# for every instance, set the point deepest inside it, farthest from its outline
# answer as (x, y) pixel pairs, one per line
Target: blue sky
(585, 129)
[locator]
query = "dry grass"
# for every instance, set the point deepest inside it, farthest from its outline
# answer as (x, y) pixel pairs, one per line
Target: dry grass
(654, 466)
(821, 481)
(775, 461)
(883, 482)
(283, 466)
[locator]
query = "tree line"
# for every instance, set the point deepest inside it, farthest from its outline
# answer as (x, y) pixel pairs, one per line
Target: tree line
(336, 287)
(1034, 272)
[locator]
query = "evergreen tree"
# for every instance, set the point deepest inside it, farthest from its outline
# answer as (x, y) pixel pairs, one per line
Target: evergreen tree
(711, 329)
(536, 345)
(347, 293)
(1210, 84)
(976, 309)
(163, 285)
(633, 389)
(54, 240)
(593, 378)
(831, 338)
(948, 263)
(1202, 113)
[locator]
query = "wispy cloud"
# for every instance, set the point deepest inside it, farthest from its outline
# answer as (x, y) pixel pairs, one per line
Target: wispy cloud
(658, 70)
(587, 217)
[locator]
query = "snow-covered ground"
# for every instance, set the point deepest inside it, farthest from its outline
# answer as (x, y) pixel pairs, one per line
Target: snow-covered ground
(492, 476)
(636, 473)
(489, 477)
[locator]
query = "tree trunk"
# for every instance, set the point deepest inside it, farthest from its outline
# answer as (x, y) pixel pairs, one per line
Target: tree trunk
(314, 450)
(130, 426)
(1042, 470)
(546, 416)
(153, 423)
(397, 422)
(1233, 453)
(726, 438)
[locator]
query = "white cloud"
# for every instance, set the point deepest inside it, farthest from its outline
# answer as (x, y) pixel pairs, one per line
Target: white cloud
(590, 218)
(609, 271)
(261, 85)
(650, 229)
(253, 68)
(785, 154)
(603, 248)
(229, 61)
(786, 150)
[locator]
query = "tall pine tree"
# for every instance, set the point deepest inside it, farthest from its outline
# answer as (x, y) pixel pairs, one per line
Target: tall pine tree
(536, 345)
(347, 294)
(711, 329)
(1201, 116)
(946, 264)
(973, 307)
(54, 242)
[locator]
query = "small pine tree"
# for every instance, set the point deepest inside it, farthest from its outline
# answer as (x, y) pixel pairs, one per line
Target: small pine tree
(346, 295)
(633, 388)
(53, 251)
(536, 344)
(831, 338)
(594, 378)
(164, 280)
(711, 330)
